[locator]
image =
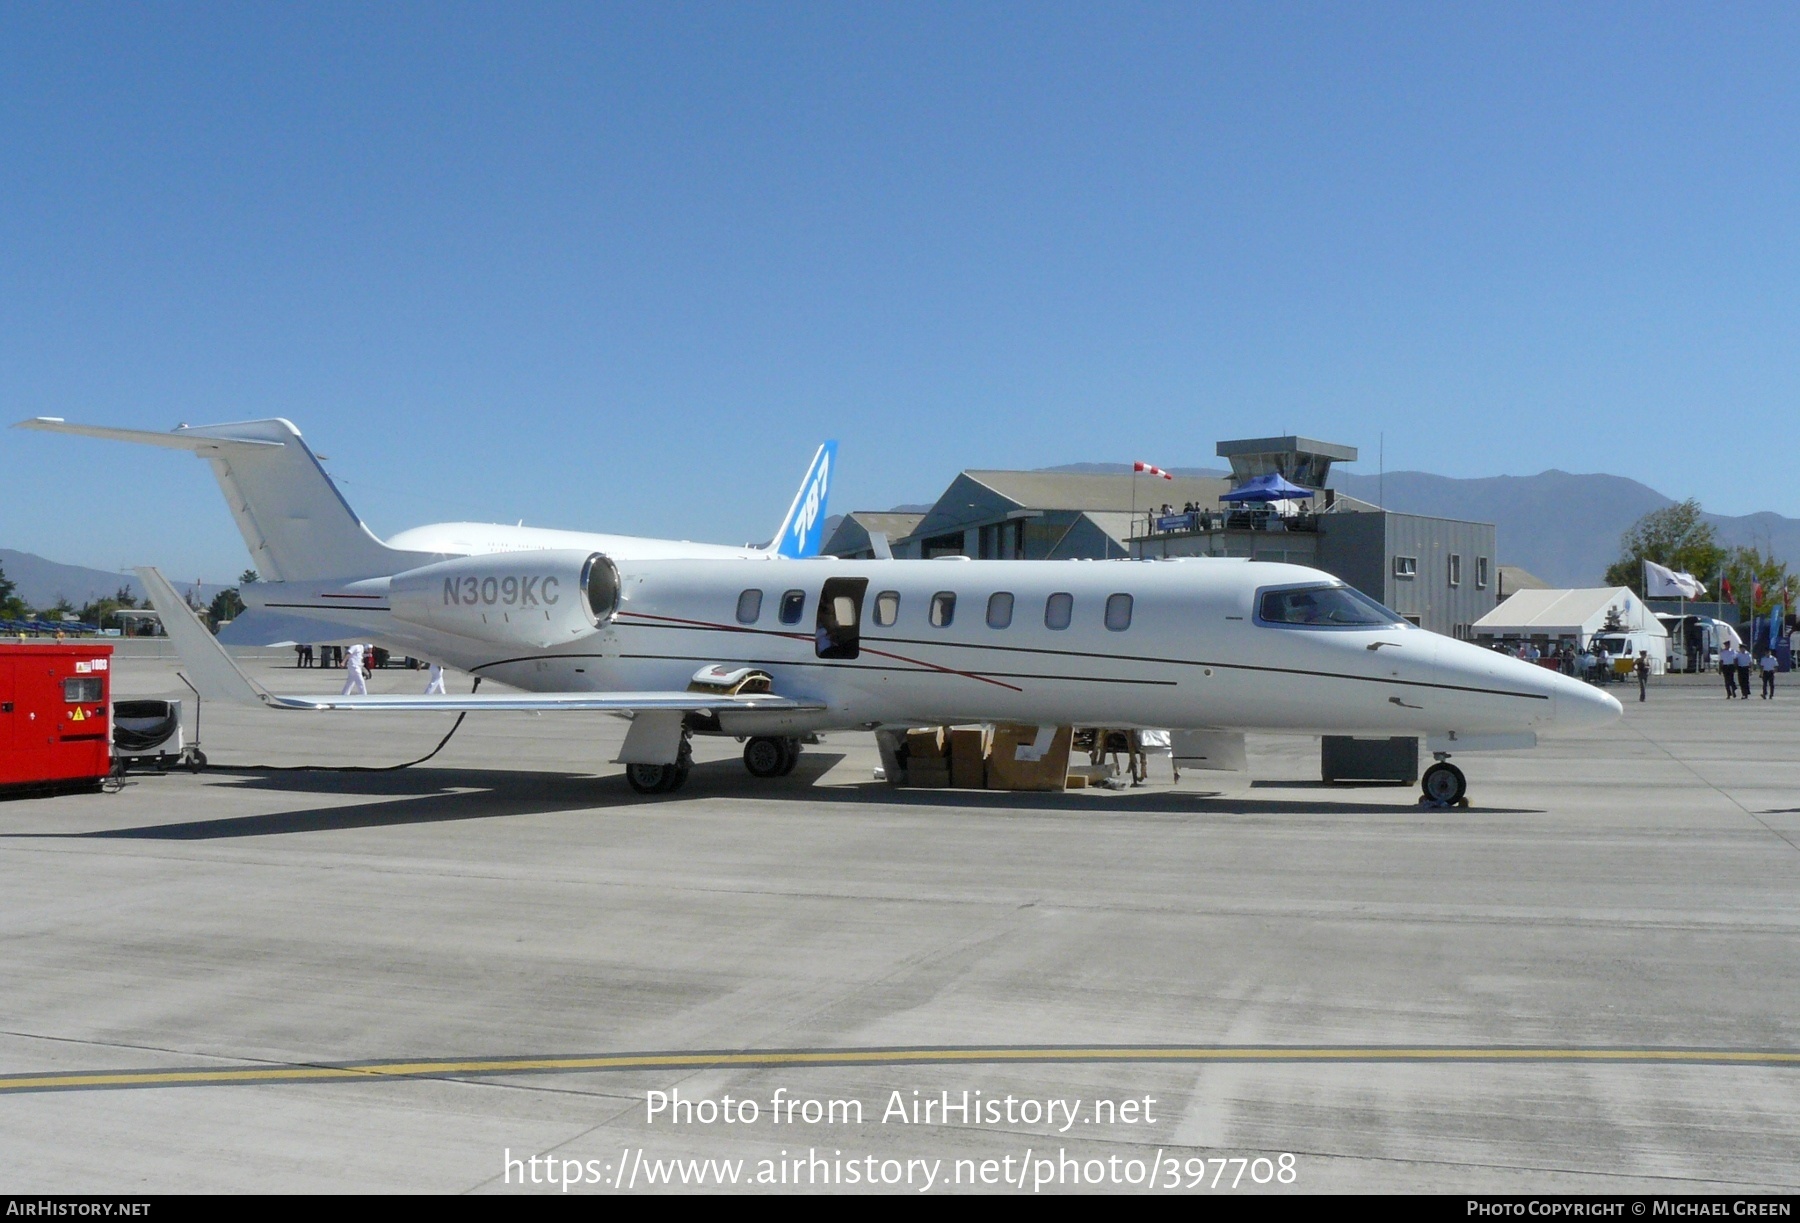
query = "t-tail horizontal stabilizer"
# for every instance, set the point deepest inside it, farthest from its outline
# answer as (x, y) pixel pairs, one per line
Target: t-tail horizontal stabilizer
(296, 524)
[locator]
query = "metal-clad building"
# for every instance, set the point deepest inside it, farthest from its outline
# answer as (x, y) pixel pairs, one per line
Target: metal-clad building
(1437, 572)
(1044, 515)
(853, 538)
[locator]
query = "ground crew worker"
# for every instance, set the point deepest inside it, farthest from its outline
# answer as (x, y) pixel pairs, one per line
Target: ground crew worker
(354, 679)
(1744, 659)
(1768, 675)
(437, 680)
(1728, 668)
(1643, 673)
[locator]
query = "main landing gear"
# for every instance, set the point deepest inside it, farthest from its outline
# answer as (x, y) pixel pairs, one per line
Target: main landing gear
(1443, 784)
(661, 778)
(771, 755)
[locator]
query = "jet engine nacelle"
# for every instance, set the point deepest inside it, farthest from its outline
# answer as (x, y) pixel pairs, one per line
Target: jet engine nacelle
(541, 599)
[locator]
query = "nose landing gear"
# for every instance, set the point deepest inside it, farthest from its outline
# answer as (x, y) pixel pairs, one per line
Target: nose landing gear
(1443, 784)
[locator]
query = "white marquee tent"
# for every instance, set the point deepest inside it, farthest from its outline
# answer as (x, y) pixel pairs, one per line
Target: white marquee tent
(1555, 615)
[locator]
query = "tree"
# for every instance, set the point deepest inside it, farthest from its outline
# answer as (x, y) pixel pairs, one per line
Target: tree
(12, 607)
(226, 605)
(1748, 568)
(1676, 537)
(248, 576)
(101, 610)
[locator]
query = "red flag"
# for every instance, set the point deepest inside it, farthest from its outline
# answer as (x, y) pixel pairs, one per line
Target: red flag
(1725, 590)
(1152, 469)
(1756, 593)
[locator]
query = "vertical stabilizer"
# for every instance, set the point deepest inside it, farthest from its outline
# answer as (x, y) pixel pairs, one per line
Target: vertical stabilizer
(803, 529)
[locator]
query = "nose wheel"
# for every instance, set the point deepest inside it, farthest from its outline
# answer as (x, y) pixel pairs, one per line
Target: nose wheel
(1444, 785)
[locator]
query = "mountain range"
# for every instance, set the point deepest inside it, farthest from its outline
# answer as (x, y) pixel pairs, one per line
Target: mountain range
(42, 582)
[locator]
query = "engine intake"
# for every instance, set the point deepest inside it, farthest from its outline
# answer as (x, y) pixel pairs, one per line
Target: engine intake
(540, 599)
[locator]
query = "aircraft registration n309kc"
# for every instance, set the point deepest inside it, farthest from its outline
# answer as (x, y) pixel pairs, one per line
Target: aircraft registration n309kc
(770, 649)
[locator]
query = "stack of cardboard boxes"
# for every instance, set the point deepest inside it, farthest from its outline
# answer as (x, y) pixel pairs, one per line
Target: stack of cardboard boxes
(976, 758)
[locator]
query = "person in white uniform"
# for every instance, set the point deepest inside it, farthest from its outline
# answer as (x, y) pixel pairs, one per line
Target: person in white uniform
(353, 672)
(437, 679)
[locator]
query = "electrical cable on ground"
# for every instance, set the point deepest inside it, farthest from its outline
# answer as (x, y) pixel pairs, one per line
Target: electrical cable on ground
(353, 768)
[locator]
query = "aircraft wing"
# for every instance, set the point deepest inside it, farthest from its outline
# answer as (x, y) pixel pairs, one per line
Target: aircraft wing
(217, 678)
(543, 702)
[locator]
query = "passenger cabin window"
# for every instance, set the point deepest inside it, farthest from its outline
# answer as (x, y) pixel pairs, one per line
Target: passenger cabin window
(1000, 607)
(943, 609)
(1455, 569)
(1406, 566)
(887, 608)
(1323, 607)
(793, 603)
(749, 606)
(1059, 609)
(1118, 612)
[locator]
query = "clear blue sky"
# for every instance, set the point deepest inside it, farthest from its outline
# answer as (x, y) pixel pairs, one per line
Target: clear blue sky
(621, 266)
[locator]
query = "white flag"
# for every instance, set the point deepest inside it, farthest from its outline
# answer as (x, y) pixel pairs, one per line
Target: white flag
(1661, 583)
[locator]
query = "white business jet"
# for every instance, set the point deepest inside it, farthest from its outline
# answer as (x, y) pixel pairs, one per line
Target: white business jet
(769, 649)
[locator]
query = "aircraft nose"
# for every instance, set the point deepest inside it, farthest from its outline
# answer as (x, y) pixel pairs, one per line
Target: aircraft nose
(1579, 704)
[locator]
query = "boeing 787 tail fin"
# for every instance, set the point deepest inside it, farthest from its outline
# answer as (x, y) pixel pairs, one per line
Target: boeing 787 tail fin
(802, 530)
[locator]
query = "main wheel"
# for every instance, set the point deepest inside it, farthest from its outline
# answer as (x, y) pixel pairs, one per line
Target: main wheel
(648, 778)
(675, 775)
(766, 756)
(791, 752)
(1444, 783)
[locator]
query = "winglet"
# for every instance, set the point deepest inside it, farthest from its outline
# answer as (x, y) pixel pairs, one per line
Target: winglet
(802, 530)
(215, 676)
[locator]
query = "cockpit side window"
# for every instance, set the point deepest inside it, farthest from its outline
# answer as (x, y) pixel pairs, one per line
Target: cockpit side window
(1322, 607)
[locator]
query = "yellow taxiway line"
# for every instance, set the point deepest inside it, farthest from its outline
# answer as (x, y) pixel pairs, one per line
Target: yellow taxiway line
(100, 1080)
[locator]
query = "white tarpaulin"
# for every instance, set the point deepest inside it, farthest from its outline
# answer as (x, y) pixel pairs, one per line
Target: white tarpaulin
(1577, 614)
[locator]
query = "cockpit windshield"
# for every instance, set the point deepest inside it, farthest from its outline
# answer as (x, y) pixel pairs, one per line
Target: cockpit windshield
(1323, 607)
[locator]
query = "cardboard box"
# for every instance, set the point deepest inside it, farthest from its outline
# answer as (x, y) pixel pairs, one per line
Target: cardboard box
(1077, 781)
(968, 758)
(1029, 758)
(927, 776)
(1091, 773)
(926, 744)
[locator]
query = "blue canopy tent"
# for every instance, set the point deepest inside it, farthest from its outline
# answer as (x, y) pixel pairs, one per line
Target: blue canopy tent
(1272, 487)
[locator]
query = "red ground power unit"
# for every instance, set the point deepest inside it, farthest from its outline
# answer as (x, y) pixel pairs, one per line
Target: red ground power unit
(55, 723)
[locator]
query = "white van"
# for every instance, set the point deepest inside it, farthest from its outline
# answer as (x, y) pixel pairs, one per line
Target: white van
(1626, 646)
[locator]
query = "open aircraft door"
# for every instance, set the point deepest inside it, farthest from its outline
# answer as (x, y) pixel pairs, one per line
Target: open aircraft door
(839, 633)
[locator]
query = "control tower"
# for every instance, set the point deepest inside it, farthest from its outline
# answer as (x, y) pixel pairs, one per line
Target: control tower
(1302, 460)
